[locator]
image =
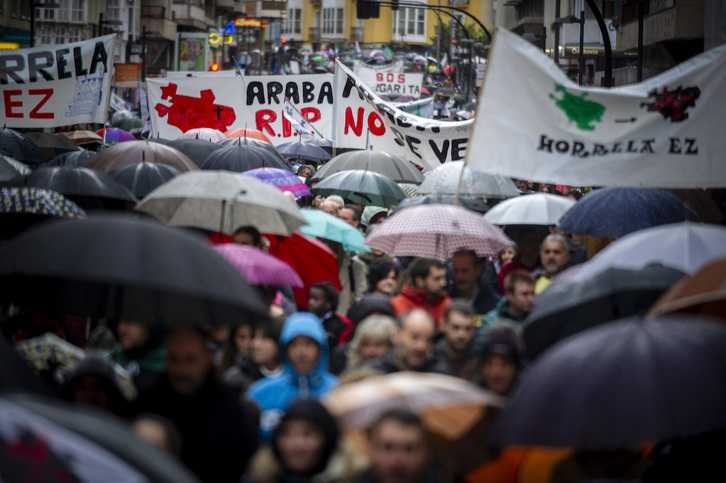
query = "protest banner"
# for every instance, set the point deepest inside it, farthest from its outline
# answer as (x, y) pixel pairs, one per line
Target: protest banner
(53, 86)
(396, 67)
(384, 83)
(420, 107)
(534, 123)
(179, 104)
(425, 142)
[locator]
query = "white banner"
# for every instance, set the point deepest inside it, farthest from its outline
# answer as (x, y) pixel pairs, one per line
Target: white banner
(420, 108)
(385, 83)
(179, 104)
(536, 124)
(425, 142)
(53, 86)
(396, 67)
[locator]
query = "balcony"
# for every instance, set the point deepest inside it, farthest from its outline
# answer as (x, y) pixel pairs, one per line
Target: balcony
(274, 5)
(149, 11)
(681, 22)
(356, 33)
(314, 33)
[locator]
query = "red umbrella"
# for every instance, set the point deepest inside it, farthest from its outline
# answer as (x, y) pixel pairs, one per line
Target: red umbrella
(258, 267)
(310, 258)
(243, 132)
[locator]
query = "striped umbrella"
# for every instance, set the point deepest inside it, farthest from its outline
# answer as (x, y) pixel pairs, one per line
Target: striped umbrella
(281, 179)
(258, 267)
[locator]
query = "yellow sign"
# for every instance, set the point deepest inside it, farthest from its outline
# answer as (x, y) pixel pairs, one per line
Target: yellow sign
(9, 46)
(249, 22)
(215, 38)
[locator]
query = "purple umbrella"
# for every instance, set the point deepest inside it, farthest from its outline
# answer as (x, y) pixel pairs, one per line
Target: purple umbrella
(258, 267)
(281, 179)
(115, 135)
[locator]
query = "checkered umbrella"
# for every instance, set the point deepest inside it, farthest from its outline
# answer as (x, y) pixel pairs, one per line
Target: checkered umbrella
(437, 231)
(258, 267)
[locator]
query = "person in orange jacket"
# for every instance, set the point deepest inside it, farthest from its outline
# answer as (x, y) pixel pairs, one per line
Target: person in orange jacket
(426, 290)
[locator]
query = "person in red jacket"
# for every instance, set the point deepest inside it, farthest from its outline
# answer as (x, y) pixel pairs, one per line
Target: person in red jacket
(426, 290)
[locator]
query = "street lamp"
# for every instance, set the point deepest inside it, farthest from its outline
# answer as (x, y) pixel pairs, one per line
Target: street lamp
(145, 48)
(102, 23)
(32, 18)
(581, 56)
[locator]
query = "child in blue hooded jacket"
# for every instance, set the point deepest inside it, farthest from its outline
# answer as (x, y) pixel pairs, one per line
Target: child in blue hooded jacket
(304, 355)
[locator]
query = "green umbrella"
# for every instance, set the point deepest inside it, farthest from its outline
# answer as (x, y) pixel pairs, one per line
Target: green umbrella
(362, 187)
(322, 225)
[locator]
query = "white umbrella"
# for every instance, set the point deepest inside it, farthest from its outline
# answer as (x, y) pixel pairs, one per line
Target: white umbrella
(222, 201)
(206, 133)
(535, 209)
(684, 246)
(445, 179)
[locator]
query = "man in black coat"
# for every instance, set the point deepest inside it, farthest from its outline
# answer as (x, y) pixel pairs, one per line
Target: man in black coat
(218, 435)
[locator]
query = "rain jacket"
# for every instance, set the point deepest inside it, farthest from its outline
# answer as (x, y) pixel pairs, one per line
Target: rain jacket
(274, 396)
(410, 299)
(501, 312)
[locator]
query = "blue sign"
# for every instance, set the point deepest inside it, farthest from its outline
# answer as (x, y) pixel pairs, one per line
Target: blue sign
(229, 29)
(17, 36)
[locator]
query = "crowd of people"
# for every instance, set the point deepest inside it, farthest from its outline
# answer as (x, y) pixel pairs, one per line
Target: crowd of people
(247, 403)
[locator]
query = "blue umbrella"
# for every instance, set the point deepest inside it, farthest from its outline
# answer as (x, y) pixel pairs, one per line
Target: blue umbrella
(322, 225)
(615, 212)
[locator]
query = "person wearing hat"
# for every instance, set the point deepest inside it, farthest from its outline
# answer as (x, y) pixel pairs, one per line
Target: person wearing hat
(499, 367)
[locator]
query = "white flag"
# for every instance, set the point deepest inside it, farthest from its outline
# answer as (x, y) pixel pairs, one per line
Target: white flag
(534, 123)
(298, 121)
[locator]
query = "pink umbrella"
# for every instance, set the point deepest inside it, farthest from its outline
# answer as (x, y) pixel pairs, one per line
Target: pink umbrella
(281, 179)
(207, 133)
(437, 231)
(258, 267)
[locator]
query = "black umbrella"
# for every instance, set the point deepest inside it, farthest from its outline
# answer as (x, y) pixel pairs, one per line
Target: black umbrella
(9, 168)
(303, 151)
(119, 267)
(395, 167)
(21, 208)
(253, 142)
(70, 159)
(326, 144)
(143, 178)
(51, 145)
(195, 149)
(620, 385)
(565, 308)
(239, 158)
(90, 189)
(19, 147)
(47, 440)
(17, 374)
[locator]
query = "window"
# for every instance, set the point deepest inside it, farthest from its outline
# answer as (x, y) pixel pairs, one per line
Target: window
(74, 34)
(297, 24)
(45, 14)
(410, 24)
(60, 35)
(112, 10)
(333, 20)
(339, 22)
(46, 33)
(71, 11)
